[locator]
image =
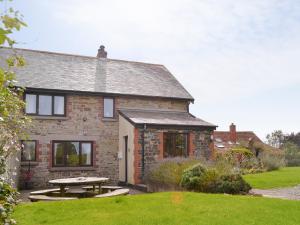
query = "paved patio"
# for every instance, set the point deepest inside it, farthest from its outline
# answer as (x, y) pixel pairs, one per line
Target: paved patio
(292, 193)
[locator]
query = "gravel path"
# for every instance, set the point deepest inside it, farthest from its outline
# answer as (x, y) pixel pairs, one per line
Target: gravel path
(292, 193)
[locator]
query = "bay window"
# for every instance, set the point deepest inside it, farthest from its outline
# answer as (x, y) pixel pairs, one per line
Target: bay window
(45, 104)
(72, 153)
(175, 145)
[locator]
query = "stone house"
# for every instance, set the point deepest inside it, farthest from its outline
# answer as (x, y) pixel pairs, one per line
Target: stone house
(95, 116)
(226, 140)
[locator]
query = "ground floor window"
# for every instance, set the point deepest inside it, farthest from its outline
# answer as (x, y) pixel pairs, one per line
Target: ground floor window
(72, 153)
(175, 145)
(28, 151)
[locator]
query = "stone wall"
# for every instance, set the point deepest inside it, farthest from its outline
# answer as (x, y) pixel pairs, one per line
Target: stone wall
(84, 122)
(203, 144)
(199, 146)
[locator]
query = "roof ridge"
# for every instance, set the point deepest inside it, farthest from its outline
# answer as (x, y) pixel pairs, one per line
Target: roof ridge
(83, 56)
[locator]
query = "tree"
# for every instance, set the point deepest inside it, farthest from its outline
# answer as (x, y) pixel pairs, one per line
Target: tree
(294, 138)
(12, 120)
(292, 154)
(276, 138)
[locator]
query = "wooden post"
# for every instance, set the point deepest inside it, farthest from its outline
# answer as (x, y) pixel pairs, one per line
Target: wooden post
(100, 189)
(62, 190)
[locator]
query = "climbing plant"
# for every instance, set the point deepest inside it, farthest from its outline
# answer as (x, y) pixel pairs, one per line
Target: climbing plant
(12, 120)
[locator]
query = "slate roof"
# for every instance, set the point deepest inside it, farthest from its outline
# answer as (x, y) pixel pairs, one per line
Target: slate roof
(168, 118)
(57, 71)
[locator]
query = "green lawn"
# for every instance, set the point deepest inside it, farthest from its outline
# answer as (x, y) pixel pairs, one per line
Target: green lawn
(285, 177)
(163, 208)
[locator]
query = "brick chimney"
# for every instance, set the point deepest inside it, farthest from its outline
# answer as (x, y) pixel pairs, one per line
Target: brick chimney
(232, 135)
(101, 52)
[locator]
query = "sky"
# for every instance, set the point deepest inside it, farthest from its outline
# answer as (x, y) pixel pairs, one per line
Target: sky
(238, 59)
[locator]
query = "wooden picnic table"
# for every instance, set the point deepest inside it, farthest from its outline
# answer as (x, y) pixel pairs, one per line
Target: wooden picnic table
(76, 181)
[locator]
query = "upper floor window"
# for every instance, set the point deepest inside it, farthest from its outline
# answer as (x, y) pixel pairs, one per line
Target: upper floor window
(45, 105)
(28, 151)
(175, 145)
(108, 107)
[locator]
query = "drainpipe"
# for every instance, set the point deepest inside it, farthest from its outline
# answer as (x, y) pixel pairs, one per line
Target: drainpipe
(143, 151)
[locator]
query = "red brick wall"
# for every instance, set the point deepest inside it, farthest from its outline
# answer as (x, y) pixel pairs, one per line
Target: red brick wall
(191, 144)
(232, 133)
(137, 157)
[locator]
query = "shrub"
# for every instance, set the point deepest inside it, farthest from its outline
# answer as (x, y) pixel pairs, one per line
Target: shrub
(272, 161)
(238, 160)
(239, 156)
(8, 198)
(293, 161)
(209, 181)
(292, 154)
(232, 184)
(201, 179)
(243, 160)
(193, 177)
(224, 164)
(166, 174)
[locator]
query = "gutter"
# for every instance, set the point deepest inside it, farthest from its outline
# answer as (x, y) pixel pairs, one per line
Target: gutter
(96, 93)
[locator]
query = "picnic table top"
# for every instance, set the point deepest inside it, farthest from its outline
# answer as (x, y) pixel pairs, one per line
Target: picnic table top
(79, 180)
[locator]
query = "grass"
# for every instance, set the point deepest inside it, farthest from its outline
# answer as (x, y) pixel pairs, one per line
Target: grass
(163, 208)
(284, 177)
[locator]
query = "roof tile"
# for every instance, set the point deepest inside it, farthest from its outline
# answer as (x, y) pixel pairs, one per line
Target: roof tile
(169, 118)
(46, 70)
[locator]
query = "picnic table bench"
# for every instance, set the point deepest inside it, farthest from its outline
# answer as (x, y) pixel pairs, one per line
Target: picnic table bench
(36, 198)
(117, 192)
(46, 191)
(108, 188)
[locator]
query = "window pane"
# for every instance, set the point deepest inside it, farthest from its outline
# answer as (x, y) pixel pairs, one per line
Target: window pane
(175, 145)
(72, 153)
(180, 145)
(30, 103)
(45, 105)
(86, 153)
(28, 151)
(58, 154)
(167, 145)
(59, 105)
(108, 107)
